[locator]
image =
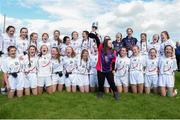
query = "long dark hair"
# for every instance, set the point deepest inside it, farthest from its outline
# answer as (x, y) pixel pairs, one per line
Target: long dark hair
(29, 64)
(105, 45)
(31, 35)
(24, 28)
(58, 53)
(9, 27)
(58, 40)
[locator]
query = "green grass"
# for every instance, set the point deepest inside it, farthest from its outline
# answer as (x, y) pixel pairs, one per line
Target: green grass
(78, 105)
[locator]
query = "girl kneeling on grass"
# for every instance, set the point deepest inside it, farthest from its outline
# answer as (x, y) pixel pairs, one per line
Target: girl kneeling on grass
(136, 71)
(83, 69)
(44, 70)
(70, 64)
(57, 70)
(167, 67)
(13, 74)
(122, 71)
(151, 71)
(30, 70)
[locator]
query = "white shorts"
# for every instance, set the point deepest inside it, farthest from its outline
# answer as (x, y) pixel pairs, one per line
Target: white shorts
(93, 80)
(71, 80)
(136, 77)
(166, 80)
(121, 80)
(82, 80)
(106, 84)
(30, 80)
(16, 83)
(44, 81)
(57, 80)
(151, 81)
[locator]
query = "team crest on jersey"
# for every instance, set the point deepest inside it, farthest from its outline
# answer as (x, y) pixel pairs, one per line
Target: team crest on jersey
(71, 62)
(16, 63)
(24, 44)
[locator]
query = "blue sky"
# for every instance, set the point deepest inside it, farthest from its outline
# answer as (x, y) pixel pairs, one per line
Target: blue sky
(150, 16)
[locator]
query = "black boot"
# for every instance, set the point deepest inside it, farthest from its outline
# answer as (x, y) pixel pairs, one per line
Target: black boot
(100, 95)
(116, 96)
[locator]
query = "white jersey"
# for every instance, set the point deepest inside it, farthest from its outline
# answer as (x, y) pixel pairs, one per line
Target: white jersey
(83, 67)
(155, 46)
(143, 48)
(162, 46)
(93, 62)
(167, 65)
(12, 65)
(44, 65)
(151, 66)
(7, 41)
(87, 44)
(136, 63)
(57, 66)
(54, 43)
(76, 45)
(22, 45)
(44, 43)
(122, 66)
(70, 64)
(30, 64)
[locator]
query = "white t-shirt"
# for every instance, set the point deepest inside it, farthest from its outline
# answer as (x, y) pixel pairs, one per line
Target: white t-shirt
(7, 41)
(83, 67)
(57, 66)
(44, 43)
(70, 64)
(167, 65)
(12, 65)
(151, 66)
(30, 64)
(143, 48)
(155, 46)
(22, 45)
(136, 63)
(122, 66)
(44, 65)
(162, 46)
(93, 62)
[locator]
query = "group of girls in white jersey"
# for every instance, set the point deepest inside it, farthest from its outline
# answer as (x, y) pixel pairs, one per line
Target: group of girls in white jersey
(32, 66)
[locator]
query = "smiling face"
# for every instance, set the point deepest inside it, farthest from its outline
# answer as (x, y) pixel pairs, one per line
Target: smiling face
(155, 38)
(143, 38)
(11, 32)
(152, 53)
(44, 49)
(69, 51)
(84, 35)
(54, 52)
(168, 51)
(32, 51)
(129, 32)
(135, 50)
(12, 52)
(75, 35)
(85, 55)
(123, 52)
(45, 37)
(56, 35)
(24, 33)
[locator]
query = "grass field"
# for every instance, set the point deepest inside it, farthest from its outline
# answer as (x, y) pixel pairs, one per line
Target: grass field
(78, 105)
